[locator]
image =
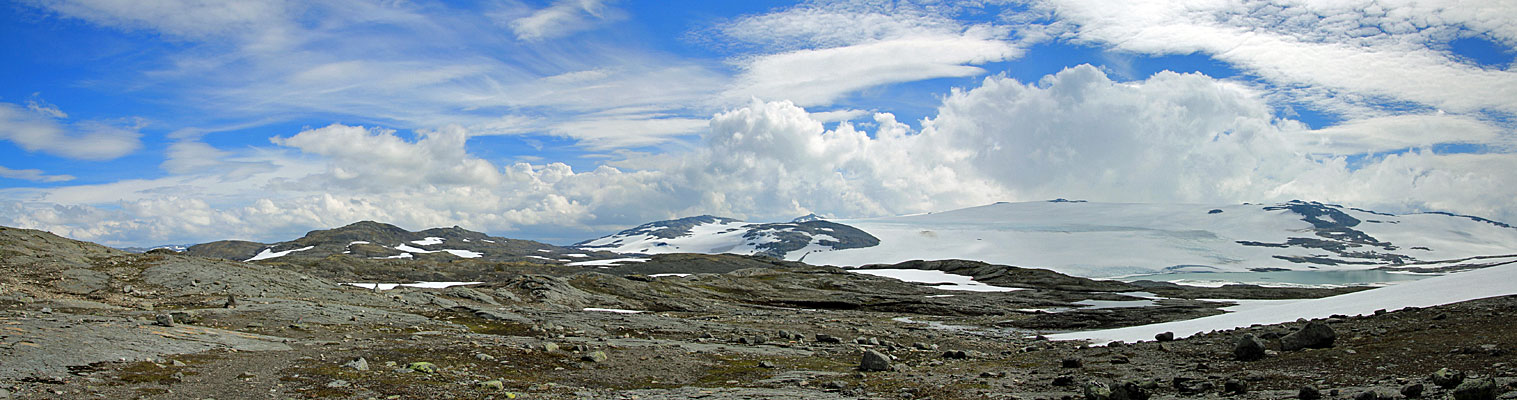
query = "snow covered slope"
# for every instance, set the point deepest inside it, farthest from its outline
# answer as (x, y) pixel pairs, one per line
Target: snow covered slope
(708, 234)
(1452, 288)
(1113, 239)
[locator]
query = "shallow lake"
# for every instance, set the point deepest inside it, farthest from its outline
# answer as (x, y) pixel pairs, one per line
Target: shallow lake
(1282, 278)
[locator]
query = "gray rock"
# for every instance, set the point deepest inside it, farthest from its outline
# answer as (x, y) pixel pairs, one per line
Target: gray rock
(1248, 348)
(1071, 363)
(1165, 337)
(1369, 395)
(1309, 393)
(338, 384)
(550, 347)
(359, 364)
(1476, 389)
(765, 364)
(1236, 386)
(874, 361)
(1315, 335)
(825, 338)
(1412, 391)
(595, 357)
(1447, 378)
(164, 319)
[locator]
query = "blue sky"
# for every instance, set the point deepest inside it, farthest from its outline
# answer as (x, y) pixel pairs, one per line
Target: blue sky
(149, 122)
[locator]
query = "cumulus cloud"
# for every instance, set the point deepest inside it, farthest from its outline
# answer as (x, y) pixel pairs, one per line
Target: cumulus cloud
(34, 175)
(562, 18)
(1075, 134)
(42, 129)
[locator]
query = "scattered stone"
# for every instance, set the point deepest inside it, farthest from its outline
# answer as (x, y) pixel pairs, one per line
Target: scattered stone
(1121, 391)
(1309, 393)
(1192, 386)
(924, 346)
(1447, 378)
(1248, 348)
(825, 338)
(1235, 386)
(177, 363)
(1315, 335)
(484, 357)
(595, 357)
(1368, 395)
(338, 384)
(1064, 380)
(874, 361)
(550, 347)
(956, 354)
(765, 364)
(494, 384)
(1071, 363)
(1165, 337)
(1412, 391)
(423, 367)
(359, 364)
(1476, 389)
(164, 320)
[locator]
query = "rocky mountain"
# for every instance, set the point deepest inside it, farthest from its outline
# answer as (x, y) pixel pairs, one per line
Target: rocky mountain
(374, 240)
(708, 234)
(169, 247)
(1106, 239)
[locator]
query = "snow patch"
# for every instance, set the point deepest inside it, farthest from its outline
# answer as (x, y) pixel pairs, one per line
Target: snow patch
(613, 310)
(424, 285)
(428, 241)
(1451, 288)
(609, 262)
(948, 281)
(270, 253)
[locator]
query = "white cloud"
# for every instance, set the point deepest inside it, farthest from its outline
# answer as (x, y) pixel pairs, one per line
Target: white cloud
(182, 18)
(41, 129)
(562, 18)
(1353, 48)
(34, 175)
(820, 77)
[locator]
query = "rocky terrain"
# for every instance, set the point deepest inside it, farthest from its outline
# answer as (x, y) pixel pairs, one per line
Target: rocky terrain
(85, 321)
(370, 240)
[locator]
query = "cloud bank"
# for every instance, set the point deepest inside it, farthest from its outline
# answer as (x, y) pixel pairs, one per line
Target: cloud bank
(1077, 134)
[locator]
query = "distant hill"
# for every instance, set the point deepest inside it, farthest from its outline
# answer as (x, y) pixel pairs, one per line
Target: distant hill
(1104, 239)
(374, 240)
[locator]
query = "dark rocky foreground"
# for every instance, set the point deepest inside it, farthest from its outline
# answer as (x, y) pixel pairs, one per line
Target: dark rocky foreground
(82, 321)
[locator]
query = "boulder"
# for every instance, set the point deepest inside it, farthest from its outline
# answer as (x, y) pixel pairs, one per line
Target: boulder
(1412, 391)
(874, 361)
(1165, 337)
(1447, 378)
(1309, 393)
(595, 357)
(1476, 389)
(1315, 335)
(1248, 348)
(423, 367)
(359, 364)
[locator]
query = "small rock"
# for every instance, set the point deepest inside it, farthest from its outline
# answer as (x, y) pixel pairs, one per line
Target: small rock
(1447, 378)
(359, 364)
(231, 302)
(874, 361)
(923, 346)
(825, 338)
(484, 357)
(595, 357)
(1235, 386)
(1064, 380)
(178, 363)
(550, 347)
(1476, 389)
(1368, 395)
(1248, 348)
(956, 354)
(164, 319)
(1071, 363)
(46, 310)
(1097, 391)
(765, 364)
(494, 384)
(1315, 335)
(1165, 337)
(1412, 391)
(1309, 393)
(338, 384)
(423, 367)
